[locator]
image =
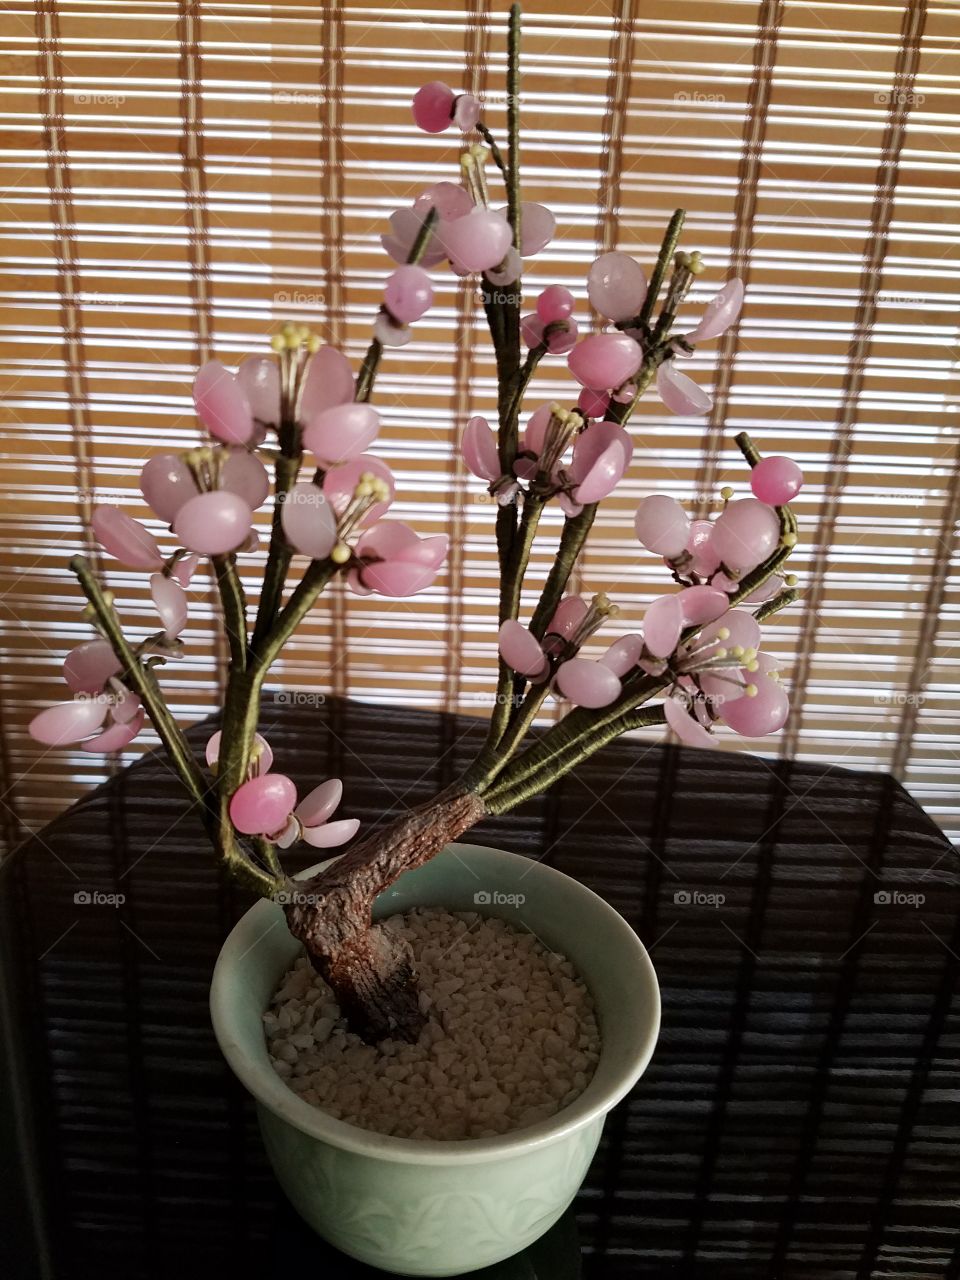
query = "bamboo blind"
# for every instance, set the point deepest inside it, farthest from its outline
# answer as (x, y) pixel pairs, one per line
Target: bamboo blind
(183, 176)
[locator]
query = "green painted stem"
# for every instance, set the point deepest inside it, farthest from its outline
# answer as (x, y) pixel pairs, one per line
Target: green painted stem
(668, 247)
(280, 553)
(516, 786)
(234, 605)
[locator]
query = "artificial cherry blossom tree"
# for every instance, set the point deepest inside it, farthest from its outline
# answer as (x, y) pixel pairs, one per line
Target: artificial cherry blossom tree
(694, 663)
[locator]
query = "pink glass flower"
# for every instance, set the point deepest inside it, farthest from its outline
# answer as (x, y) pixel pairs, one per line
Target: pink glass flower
(433, 105)
(108, 716)
(662, 526)
(170, 601)
(400, 562)
(605, 360)
(262, 805)
(408, 294)
(616, 286)
(310, 819)
(340, 486)
(720, 313)
(477, 241)
(521, 650)
(308, 520)
(222, 404)
(341, 432)
(776, 480)
(679, 393)
(125, 538)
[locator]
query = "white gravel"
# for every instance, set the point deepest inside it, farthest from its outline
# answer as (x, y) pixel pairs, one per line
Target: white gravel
(511, 1038)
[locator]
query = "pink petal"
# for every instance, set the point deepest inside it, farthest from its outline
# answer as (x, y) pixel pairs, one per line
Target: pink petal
(340, 483)
(479, 448)
(387, 539)
(623, 655)
(118, 736)
(69, 721)
(126, 707)
(331, 834)
(448, 198)
(537, 227)
(261, 755)
(700, 545)
(166, 483)
(662, 624)
(406, 224)
(222, 405)
(742, 626)
(263, 804)
(477, 241)
(259, 377)
(318, 804)
(600, 457)
(520, 650)
(327, 382)
(125, 538)
(185, 568)
(568, 505)
(213, 523)
(685, 727)
(702, 604)
(568, 615)
(88, 667)
(535, 432)
(764, 713)
(605, 360)
(245, 475)
(308, 520)
(587, 683)
(342, 432)
(679, 393)
(170, 601)
(720, 313)
(397, 580)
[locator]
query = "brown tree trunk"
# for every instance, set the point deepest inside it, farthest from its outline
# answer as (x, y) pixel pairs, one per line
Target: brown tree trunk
(370, 972)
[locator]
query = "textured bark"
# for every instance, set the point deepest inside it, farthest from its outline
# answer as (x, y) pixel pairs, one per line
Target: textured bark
(371, 972)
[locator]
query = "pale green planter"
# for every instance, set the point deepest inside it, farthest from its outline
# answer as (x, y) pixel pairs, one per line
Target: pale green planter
(425, 1208)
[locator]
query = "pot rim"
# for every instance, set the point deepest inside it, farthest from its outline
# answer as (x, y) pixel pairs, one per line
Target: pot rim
(271, 1091)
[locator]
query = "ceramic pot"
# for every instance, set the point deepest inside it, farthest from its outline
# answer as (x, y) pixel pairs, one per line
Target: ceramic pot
(432, 1208)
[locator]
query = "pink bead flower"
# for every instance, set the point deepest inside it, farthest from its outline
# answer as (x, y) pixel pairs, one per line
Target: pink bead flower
(436, 107)
(395, 561)
(105, 715)
(214, 520)
(266, 805)
(237, 408)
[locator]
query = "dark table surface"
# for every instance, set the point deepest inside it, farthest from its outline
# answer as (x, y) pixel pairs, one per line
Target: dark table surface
(800, 1115)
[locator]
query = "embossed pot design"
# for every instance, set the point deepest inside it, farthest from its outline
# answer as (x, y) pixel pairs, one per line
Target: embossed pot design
(426, 1208)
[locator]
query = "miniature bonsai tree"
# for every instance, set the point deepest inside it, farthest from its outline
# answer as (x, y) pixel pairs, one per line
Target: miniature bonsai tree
(695, 662)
